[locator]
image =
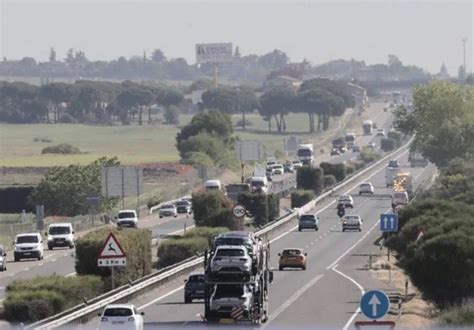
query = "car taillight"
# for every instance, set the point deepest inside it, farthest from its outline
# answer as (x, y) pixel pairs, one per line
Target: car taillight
(131, 319)
(104, 319)
(300, 258)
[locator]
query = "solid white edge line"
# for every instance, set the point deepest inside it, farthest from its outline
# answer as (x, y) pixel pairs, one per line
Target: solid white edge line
(70, 274)
(161, 297)
(362, 291)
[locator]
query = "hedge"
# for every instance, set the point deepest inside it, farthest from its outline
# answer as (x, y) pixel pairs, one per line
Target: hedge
(38, 298)
(369, 155)
(263, 208)
(301, 197)
(459, 316)
(397, 136)
(136, 244)
(387, 144)
(195, 241)
(214, 209)
(337, 170)
(310, 178)
(63, 148)
(329, 180)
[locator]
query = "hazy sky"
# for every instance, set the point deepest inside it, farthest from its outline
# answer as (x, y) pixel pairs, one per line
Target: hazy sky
(424, 33)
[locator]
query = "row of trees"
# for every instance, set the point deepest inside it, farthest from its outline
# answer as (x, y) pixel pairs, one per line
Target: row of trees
(84, 101)
(319, 98)
(148, 66)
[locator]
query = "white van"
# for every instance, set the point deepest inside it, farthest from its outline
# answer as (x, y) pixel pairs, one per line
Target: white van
(399, 198)
(211, 185)
(28, 246)
(60, 234)
(259, 184)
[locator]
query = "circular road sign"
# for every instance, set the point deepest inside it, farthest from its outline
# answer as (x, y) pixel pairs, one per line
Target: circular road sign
(238, 211)
(374, 304)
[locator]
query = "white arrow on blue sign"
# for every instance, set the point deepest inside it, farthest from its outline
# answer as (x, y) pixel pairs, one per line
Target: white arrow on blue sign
(389, 222)
(374, 304)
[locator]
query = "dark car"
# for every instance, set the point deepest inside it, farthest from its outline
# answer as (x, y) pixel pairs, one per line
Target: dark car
(355, 149)
(184, 206)
(289, 168)
(308, 221)
(194, 288)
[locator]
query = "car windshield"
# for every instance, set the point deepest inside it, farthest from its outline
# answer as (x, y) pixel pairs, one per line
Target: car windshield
(118, 312)
(345, 198)
(124, 215)
(230, 291)
(182, 203)
(296, 162)
(365, 185)
(257, 183)
(292, 252)
(393, 163)
(196, 279)
(167, 207)
(233, 241)
(59, 230)
(352, 218)
(230, 253)
(304, 153)
(307, 217)
(27, 239)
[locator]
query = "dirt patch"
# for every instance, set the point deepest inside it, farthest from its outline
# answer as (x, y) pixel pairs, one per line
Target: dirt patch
(416, 312)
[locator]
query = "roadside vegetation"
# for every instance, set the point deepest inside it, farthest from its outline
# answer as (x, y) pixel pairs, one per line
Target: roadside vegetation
(436, 241)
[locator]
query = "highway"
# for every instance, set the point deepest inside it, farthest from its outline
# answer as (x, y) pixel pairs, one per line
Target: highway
(325, 296)
(61, 261)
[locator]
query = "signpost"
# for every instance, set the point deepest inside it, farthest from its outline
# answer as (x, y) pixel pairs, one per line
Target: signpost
(374, 304)
(121, 182)
(388, 222)
(111, 255)
(248, 151)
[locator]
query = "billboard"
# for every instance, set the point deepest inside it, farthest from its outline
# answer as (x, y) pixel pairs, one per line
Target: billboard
(122, 181)
(214, 53)
(249, 150)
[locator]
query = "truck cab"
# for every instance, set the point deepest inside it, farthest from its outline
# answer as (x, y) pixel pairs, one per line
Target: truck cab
(367, 126)
(305, 154)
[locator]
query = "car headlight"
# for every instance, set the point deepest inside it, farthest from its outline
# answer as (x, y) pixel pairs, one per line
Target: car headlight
(15, 248)
(50, 238)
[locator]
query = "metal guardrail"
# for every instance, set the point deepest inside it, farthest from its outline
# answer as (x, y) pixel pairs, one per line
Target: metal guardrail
(156, 207)
(127, 292)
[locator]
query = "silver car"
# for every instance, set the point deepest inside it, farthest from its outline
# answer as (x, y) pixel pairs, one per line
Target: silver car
(226, 297)
(231, 260)
(168, 210)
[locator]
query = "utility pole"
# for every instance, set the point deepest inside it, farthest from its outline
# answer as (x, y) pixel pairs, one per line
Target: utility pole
(464, 40)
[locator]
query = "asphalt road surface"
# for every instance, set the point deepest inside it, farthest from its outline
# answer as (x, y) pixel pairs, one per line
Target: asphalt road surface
(326, 295)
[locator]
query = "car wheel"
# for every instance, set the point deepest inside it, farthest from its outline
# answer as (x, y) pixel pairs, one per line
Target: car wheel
(360, 229)
(71, 246)
(175, 215)
(316, 228)
(280, 268)
(187, 300)
(40, 257)
(50, 247)
(161, 216)
(304, 267)
(299, 229)
(16, 259)
(343, 229)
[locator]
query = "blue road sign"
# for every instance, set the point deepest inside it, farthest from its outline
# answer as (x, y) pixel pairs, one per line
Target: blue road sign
(374, 304)
(389, 222)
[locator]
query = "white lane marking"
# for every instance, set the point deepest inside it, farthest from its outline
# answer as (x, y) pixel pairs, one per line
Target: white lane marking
(54, 260)
(26, 269)
(162, 297)
(353, 246)
(70, 274)
(48, 256)
(11, 275)
(293, 298)
(40, 264)
(362, 291)
(2, 288)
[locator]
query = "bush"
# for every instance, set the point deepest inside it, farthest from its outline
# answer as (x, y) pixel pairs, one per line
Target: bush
(63, 148)
(301, 197)
(329, 181)
(214, 209)
(240, 123)
(197, 159)
(171, 115)
(310, 178)
(153, 201)
(41, 297)
(337, 170)
(136, 244)
(350, 168)
(45, 140)
(369, 155)
(397, 136)
(263, 208)
(387, 144)
(459, 316)
(172, 251)
(207, 232)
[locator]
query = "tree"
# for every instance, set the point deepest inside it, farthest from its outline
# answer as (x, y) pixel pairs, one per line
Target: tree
(442, 120)
(134, 97)
(63, 190)
(52, 55)
(274, 60)
(212, 121)
(158, 56)
(56, 94)
(277, 102)
(172, 115)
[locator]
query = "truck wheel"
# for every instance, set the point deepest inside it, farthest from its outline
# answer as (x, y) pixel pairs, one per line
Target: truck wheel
(187, 300)
(299, 228)
(343, 229)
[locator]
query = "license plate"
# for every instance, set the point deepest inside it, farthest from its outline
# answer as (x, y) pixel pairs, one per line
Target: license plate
(118, 322)
(291, 258)
(26, 253)
(199, 292)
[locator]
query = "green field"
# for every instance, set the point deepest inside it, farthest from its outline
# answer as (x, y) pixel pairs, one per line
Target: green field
(131, 144)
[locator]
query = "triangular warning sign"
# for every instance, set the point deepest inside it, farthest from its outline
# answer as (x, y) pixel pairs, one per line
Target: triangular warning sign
(111, 248)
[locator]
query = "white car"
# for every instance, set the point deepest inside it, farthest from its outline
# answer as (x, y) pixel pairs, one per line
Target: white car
(371, 145)
(351, 222)
(346, 200)
(380, 132)
(121, 316)
(60, 234)
(168, 210)
(278, 169)
(366, 188)
(28, 246)
(399, 198)
(127, 218)
(231, 259)
(297, 164)
(226, 297)
(3, 259)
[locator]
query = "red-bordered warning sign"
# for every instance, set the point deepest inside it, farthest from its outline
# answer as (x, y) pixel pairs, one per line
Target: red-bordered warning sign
(111, 253)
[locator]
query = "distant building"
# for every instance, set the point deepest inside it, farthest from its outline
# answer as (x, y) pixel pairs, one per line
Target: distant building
(282, 82)
(360, 95)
